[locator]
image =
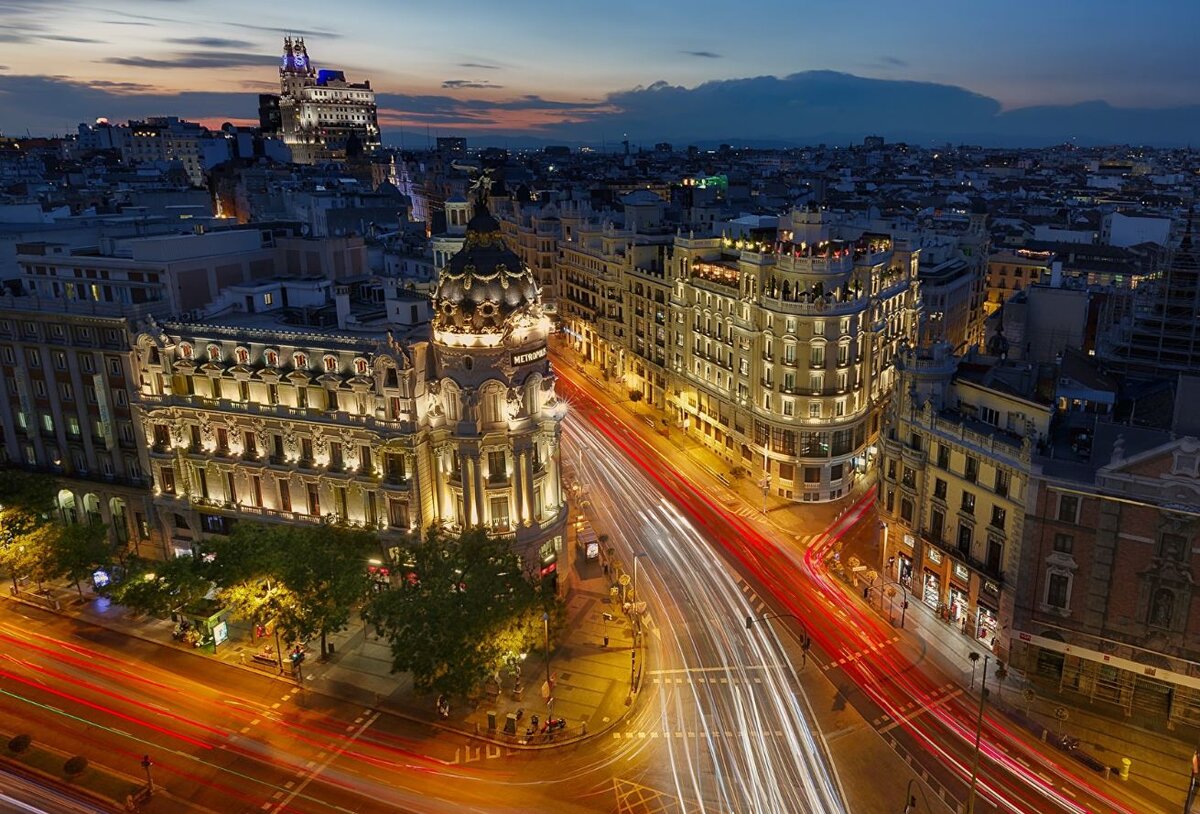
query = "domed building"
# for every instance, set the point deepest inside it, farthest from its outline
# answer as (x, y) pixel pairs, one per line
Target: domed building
(495, 416)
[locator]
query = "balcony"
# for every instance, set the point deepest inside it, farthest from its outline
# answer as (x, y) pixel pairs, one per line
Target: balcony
(964, 556)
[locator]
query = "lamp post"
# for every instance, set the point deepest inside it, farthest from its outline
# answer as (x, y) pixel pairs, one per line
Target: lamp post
(974, 657)
(805, 641)
(978, 732)
(546, 625)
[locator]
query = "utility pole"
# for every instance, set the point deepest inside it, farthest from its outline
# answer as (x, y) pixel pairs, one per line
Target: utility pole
(978, 732)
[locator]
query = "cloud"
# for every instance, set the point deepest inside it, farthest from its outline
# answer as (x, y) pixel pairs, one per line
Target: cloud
(702, 54)
(197, 59)
(481, 65)
(894, 62)
(65, 38)
(121, 87)
(281, 30)
(211, 42)
(459, 84)
(44, 104)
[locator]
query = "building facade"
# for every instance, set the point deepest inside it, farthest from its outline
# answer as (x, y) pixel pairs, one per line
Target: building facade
(322, 116)
(957, 453)
(254, 415)
(1108, 609)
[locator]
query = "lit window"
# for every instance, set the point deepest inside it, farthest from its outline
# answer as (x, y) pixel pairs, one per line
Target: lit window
(214, 353)
(300, 360)
(331, 364)
(360, 366)
(243, 356)
(185, 350)
(272, 358)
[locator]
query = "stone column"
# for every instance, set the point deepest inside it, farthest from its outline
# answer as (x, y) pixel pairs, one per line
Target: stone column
(477, 485)
(525, 496)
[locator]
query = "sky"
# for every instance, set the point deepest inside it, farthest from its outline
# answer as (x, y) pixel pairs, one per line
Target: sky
(756, 70)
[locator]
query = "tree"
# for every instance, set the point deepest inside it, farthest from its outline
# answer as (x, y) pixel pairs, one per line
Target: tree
(326, 570)
(158, 588)
(304, 580)
(464, 609)
(27, 533)
(79, 549)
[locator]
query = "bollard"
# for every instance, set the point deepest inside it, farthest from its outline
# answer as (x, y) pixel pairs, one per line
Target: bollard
(1125, 764)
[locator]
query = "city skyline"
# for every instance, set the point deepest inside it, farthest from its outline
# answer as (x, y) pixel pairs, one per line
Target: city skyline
(1012, 75)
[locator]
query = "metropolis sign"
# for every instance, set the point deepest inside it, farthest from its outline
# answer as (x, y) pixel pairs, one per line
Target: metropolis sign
(525, 358)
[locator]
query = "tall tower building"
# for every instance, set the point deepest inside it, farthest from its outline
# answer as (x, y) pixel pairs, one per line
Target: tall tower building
(322, 116)
(497, 444)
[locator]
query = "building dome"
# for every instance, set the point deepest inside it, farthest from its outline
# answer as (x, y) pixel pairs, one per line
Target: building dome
(484, 285)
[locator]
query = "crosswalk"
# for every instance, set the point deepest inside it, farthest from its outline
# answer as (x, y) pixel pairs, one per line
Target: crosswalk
(941, 695)
(858, 654)
(704, 680)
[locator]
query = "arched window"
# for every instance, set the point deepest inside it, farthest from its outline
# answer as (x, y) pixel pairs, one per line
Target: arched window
(360, 366)
(300, 360)
(273, 358)
(185, 350)
(331, 363)
(214, 353)
(243, 356)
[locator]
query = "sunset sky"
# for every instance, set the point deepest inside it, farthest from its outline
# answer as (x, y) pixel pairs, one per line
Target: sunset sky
(526, 66)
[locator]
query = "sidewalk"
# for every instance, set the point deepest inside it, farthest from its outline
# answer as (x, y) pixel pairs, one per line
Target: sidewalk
(1159, 774)
(591, 689)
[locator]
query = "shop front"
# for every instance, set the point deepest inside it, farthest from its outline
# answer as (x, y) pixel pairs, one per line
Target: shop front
(985, 625)
(904, 571)
(931, 590)
(959, 606)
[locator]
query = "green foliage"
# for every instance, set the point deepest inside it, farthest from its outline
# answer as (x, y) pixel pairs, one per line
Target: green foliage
(79, 549)
(304, 579)
(465, 610)
(27, 535)
(158, 588)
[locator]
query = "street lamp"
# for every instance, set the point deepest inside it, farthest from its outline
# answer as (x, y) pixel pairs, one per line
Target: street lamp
(974, 657)
(805, 641)
(983, 692)
(546, 626)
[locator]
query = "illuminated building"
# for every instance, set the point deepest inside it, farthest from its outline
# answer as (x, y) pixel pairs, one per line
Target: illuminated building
(957, 451)
(322, 116)
(776, 356)
(332, 409)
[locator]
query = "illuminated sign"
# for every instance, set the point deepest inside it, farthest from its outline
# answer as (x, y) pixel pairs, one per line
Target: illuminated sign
(527, 357)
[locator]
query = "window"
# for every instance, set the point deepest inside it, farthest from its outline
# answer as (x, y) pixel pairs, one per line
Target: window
(1002, 483)
(314, 500)
(816, 357)
(60, 360)
(497, 467)
(301, 396)
(989, 416)
(272, 394)
(995, 555)
(222, 439)
(230, 488)
(910, 478)
(939, 489)
(214, 353)
(273, 358)
(166, 480)
(1058, 590)
(398, 513)
(499, 511)
(906, 510)
(300, 360)
(360, 367)
(965, 534)
(1064, 543)
(256, 490)
(244, 391)
(35, 358)
(1068, 508)
(331, 364)
(998, 517)
(249, 444)
(812, 474)
(336, 461)
(937, 525)
(285, 495)
(814, 409)
(789, 407)
(971, 471)
(968, 503)
(243, 356)
(943, 456)
(891, 469)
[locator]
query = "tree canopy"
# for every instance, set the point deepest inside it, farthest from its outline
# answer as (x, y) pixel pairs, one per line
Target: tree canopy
(160, 587)
(306, 580)
(463, 609)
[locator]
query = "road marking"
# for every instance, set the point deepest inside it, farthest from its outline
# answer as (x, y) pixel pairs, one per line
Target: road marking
(313, 774)
(922, 708)
(275, 705)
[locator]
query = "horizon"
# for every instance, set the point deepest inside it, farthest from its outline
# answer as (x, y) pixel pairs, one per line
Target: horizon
(1030, 76)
